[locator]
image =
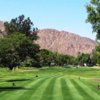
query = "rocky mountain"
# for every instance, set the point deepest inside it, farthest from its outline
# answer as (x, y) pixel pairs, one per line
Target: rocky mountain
(64, 42)
(1, 26)
(2, 29)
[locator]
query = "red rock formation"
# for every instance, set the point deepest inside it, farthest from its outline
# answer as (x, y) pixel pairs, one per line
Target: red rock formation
(2, 29)
(64, 42)
(1, 26)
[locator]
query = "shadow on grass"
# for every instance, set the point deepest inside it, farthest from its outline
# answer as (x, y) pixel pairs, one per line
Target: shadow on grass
(16, 80)
(11, 88)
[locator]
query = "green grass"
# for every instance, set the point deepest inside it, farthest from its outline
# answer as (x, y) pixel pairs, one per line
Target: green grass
(51, 84)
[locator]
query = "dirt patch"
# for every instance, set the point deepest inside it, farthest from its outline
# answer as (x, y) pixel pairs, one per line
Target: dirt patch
(96, 79)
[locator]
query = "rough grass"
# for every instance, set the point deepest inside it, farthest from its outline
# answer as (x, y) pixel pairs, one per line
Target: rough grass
(51, 84)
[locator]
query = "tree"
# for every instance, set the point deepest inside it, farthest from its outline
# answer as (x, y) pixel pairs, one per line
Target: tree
(61, 59)
(86, 60)
(21, 25)
(96, 55)
(15, 48)
(29, 62)
(46, 57)
(93, 10)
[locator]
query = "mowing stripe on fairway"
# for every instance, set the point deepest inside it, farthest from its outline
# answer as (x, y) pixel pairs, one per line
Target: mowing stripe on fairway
(89, 91)
(37, 95)
(48, 93)
(23, 85)
(74, 92)
(27, 84)
(65, 90)
(81, 90)
(91, 85)
(14, 95)
(27, 94)
(57, 93)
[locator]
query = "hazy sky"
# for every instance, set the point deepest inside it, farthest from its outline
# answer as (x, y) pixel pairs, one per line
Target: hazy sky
(68, 15)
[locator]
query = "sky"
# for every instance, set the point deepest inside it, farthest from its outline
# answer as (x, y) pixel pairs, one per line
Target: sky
(67, 15)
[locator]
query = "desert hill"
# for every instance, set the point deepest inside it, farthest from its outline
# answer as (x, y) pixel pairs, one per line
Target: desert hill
(64, 42)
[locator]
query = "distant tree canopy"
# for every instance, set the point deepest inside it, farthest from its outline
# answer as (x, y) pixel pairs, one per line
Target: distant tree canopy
(48, 58)
(87, 59)
(96, 55)
(21, 25)
(45, 57)
(93, 10)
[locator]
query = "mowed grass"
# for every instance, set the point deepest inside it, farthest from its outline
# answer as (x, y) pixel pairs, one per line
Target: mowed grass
(56, 83)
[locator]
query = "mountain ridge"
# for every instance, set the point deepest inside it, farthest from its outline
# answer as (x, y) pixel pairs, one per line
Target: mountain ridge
(64, 42)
